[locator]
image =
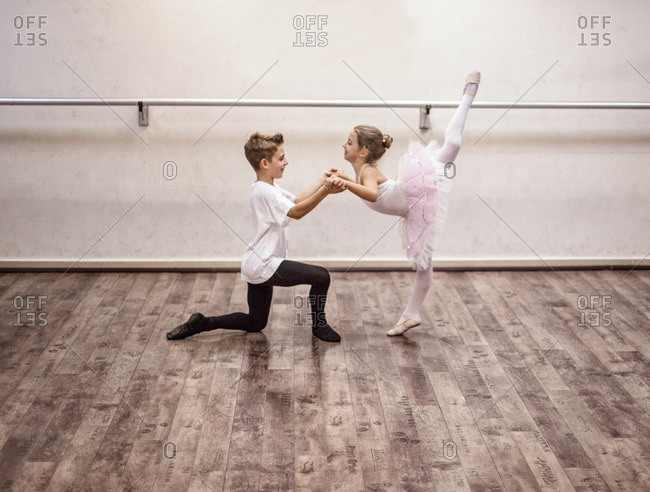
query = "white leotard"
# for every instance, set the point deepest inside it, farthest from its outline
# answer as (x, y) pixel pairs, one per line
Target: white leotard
(391, 197)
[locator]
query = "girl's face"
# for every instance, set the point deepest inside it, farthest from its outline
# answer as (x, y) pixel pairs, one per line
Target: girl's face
(351, 149)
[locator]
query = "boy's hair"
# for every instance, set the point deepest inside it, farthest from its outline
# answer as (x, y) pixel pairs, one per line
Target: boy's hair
(260, 146)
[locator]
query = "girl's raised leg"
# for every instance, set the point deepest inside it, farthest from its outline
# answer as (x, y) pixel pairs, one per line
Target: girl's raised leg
(454, 131)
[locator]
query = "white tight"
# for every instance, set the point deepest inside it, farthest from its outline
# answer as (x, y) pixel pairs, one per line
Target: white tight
(421, 285)
(448, 153)
(454, 131)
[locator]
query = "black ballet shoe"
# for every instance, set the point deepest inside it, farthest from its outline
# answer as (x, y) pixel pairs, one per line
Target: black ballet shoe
(191, 327)
(326, 333)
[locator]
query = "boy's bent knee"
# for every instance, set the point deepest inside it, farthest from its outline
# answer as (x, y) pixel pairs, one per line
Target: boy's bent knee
(321, 277)
(256, 326)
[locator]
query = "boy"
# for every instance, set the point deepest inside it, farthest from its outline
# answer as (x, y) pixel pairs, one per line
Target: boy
(265, 265)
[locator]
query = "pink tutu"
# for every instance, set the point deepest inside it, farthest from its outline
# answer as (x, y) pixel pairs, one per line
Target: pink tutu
(427, 190)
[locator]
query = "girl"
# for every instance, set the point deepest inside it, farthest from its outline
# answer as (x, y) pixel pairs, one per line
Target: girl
(419, 196)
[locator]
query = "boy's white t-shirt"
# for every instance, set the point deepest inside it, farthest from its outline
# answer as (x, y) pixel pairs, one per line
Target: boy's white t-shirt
(269, 207)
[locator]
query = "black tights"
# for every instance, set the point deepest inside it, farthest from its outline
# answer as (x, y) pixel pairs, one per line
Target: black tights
(288, 274)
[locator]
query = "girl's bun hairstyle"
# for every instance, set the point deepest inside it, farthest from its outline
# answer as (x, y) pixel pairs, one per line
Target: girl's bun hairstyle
(372, 139)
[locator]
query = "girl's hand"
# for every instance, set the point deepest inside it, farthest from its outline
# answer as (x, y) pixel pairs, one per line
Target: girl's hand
(337, 172)
(328, 174)
(334, 184)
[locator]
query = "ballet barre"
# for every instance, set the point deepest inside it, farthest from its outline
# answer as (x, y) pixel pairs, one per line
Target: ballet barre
(423, 106)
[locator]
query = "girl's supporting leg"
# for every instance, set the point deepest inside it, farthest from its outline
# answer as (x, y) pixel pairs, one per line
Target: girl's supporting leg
(421, 286)
(454, 131)
(411, 316)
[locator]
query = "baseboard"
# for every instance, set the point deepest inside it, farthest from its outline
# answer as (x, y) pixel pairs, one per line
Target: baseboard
(331, 264)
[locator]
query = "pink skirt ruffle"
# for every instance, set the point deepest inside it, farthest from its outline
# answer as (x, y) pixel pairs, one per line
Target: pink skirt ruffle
(427, 190)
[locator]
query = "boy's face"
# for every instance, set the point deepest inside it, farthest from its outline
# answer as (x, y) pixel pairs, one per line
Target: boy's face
(277, 164)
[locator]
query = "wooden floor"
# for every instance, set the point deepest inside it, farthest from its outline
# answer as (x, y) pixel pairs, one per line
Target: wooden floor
(514, 381)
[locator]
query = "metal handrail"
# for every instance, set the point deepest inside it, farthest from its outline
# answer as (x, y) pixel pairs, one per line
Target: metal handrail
(424, 106)
(333, 103)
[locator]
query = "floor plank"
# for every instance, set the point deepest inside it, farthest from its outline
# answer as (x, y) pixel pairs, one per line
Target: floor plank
(510, 383)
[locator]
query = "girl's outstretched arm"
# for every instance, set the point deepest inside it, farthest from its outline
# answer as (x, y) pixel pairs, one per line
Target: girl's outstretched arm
(368, 190)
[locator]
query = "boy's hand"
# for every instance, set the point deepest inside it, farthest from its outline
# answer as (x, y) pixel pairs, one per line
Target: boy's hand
(334, 184)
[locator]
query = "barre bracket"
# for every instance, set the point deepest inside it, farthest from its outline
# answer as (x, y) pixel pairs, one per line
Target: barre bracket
(143, 114)
(425, 121)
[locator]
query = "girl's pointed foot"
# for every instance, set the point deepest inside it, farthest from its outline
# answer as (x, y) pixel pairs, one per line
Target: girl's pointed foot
(471, 83)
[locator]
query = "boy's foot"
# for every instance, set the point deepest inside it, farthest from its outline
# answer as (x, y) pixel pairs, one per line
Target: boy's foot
(189, 328)
(403, 326)
(326, 333)
(471, 83)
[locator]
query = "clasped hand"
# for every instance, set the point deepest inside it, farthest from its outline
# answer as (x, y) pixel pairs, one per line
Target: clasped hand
(334, 182)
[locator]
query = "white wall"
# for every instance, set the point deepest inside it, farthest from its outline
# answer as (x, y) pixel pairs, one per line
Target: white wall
(572, 184)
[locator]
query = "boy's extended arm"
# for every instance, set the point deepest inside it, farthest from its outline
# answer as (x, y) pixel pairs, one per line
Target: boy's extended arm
(303, 195)
(303, 207)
